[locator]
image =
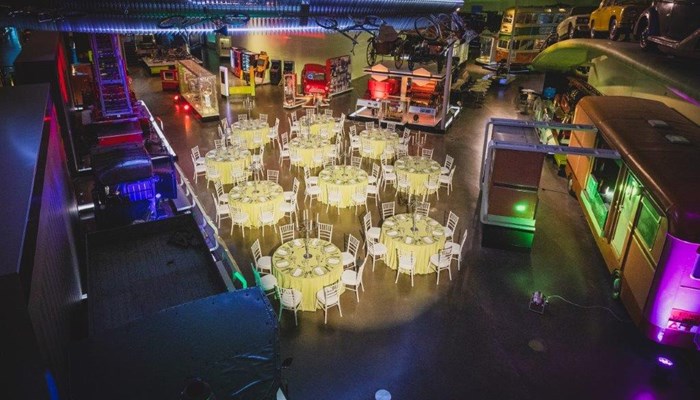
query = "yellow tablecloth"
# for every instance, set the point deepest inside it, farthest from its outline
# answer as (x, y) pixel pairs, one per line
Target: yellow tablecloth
(419, 170)
(346, 178)
(307, 146)
(268, 194)
(379, 139)
(308, 276)
(224, 160)
(318, 123)
(427, 240)
(247, 131)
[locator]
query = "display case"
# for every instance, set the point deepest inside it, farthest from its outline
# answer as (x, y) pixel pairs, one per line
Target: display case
(413, 98)
(223, 45)
(393, 109)
(199, 88)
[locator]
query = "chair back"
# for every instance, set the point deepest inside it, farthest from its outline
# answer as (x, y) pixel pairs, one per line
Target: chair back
(273, 175)
(423, 208)
(367, 221)
(356, 161)
(330, 293)
(325, 231)
(263, 118)
(242, 117)
(405, 259)
(361, 271)
(463, 242)
(388, 209)
(449, 160)
(195, 152)
(287, 233)
(353, 130)
(391, 126)
(353, 245)
(452, 221)
(289, 298)
(369, 125)
(427, 153)
(257, 252)
(445, 255)
(376, 170)
(219, 189)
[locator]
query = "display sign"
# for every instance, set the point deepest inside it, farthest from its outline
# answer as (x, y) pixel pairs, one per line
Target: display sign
(290, 89)
(422, 110)
(368, 103)
(338, 74)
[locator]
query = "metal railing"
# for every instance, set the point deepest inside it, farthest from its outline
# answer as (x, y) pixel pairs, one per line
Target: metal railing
(220, 253)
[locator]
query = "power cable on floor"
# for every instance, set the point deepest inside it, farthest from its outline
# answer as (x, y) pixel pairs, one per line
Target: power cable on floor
(555, 296)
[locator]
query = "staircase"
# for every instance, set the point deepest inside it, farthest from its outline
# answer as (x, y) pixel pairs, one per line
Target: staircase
(110, 76)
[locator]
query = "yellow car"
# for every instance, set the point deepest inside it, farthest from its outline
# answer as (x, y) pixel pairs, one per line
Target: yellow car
(616, 18)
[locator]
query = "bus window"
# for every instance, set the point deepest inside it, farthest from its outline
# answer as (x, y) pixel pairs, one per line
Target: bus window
(545, 18)
(648, 223)
(600, 188)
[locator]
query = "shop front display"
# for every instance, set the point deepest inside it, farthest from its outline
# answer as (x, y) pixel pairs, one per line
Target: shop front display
(415, 99)
(199, 88)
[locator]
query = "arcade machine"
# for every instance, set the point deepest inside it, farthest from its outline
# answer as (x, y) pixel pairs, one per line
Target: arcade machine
(275, 72)
(262, 64)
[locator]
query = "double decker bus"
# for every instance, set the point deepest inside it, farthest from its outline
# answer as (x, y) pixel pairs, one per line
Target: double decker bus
(524, 31)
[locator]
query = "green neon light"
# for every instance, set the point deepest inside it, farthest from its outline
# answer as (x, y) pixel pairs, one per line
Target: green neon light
(520, 207)
(238, 276)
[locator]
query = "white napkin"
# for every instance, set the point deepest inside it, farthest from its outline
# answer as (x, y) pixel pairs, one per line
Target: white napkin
(282, 264)
(333, 261)
(428, 240)
(392, 233)
(297, 272)
(319, 271)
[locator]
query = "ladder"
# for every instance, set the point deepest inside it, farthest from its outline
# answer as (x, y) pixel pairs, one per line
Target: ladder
(110, 76)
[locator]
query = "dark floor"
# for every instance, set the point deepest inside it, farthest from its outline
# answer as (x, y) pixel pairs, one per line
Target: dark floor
(472, 337)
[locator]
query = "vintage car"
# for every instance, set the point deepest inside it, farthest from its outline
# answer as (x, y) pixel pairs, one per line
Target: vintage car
(313, 79)
(616, 18)
(672, 26)
(575, 24)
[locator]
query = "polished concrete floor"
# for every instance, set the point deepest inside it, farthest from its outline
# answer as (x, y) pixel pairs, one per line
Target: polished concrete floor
(472, 337)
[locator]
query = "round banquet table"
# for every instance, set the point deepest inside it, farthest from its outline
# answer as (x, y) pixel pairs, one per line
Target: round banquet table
(318, 123)
(346, 178)
(428, 239)
(307, 146)
(419, 170)
(379, 139)
(225, 159)
(248, 129)
(310, 275)
(254, 197)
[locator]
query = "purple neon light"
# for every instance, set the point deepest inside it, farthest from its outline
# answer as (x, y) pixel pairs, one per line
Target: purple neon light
(683, 95)
(664, 362)
(673, 287)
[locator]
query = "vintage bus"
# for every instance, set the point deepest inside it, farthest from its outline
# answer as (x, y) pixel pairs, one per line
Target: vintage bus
(527, 28)
(644, 209)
